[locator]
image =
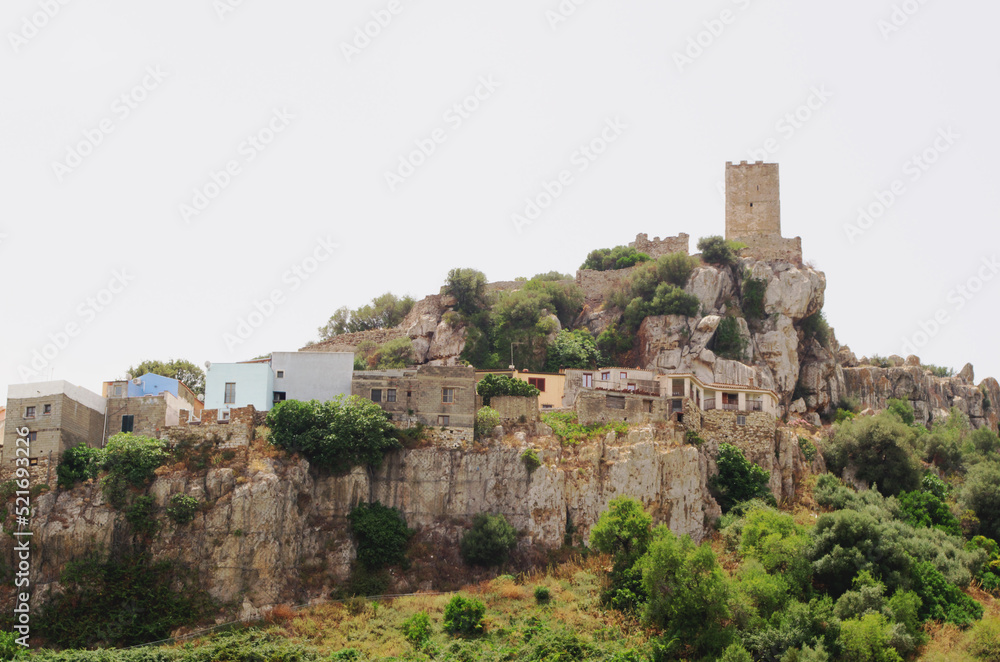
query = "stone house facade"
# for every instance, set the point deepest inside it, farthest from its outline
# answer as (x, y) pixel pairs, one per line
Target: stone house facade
(437, 396)
(56, 415)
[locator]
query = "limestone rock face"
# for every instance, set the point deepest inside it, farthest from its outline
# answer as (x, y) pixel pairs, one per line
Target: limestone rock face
(792, 292)
(712, 286)
(446, 345)
(779, 350)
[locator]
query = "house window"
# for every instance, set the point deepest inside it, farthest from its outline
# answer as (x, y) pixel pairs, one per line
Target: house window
(614, 401)
(390, 395)
(230, 397)
(444, 420)
(128, 423)
(376, 395)
(279, 396)
(546, 406)
(537, 382)
(29, 412)
(118, 391)
(281, 374)
(623, 375)
(409, 394)
(447, 395)
(32, 437)
(741, 420)
(225, 416)
(605, 376)
(588, 381)
(630, 387)
(730, 401)
(46, 410)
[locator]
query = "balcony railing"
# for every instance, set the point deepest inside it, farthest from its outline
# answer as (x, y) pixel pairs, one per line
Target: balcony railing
(730, 407)
(709, 404)
(755, 405)
(679, 392)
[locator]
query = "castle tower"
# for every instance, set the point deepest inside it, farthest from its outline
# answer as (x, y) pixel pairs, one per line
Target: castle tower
(753, 207)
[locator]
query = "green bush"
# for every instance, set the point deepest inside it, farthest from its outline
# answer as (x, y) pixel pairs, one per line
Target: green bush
(735, 653)
(78, 464)
(926, 509)
(716, 250)
(9, 648)
(753, 298)
(417, 629)
(882, 450)
(608, 259)
(667, 299)
(688, 593)
(613, 342)
(531, 460)
(334, 435)
(384, 312)
(984, 639)
(468, 286)
(942, 600)
(464, 616)
(623, 530)
(381, 535)
(489, 541)
(815, 326)
(487, 419)
(130, 461)
(901, 408)
(868, 639)
(542, 594)
(729, 343)
(738, 479)
(493, 385)
(981, 496)
(564, 425)
(572, 349)
(182, 508)
(141, 515)
(808, 449)
(675, 268)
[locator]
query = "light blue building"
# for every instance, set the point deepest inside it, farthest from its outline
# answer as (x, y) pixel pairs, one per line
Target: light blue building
(150, 384)
(233, 385)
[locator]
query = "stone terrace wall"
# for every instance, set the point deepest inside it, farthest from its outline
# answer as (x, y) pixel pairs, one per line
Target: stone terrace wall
(237, 432)
(659, 247)
(597, 284)
(592, 407)
(772, 248)
(512, 408)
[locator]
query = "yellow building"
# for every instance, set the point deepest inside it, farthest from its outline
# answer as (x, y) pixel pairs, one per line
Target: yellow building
(550, 384)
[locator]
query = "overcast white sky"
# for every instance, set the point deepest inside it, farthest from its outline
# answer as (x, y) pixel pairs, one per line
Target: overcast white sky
(75, 217)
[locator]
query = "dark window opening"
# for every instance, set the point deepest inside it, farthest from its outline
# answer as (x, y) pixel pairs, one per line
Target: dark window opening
(615, 401)
(376, 395)
(537, 382)
(128, 423)
(279, 396)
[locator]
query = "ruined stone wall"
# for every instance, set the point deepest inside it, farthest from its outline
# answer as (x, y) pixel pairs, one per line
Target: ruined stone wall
(659, 247)
(597, 285)
(755, 437)
(594, 406)
(515, 408)
(236, 432)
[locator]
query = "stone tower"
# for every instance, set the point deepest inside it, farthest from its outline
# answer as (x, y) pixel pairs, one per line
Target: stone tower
(753, 207)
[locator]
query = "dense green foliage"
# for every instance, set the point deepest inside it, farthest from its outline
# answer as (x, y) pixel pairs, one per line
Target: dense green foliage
(142, 515)
(468, 286)
(464, 616)
(77, 464)
(381, 535)
(738, 479)
(608, 259)
(565, 426)
(753, 297)
(130, 461)
(729, 341)
(182, 508)
(882, 450)
(493, 385)
(716, 250)
(417, 629)
(487, 418)
(624, 531)
(816, 327)
(655, 288)
(183, 371)
(393, 354)
(384, 312)
(334, 435)
(572, 349)
(531, 460)
(489, 541)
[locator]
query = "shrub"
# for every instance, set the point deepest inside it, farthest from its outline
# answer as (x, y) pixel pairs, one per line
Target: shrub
(808, 449)
(938, 371)
(9, 648)
(868, 639)
(942, 600)
(738, 479)
(623, 530)
(880, 448)
(182, 508)
(608, 259)
(487, 419)
(130, 461)
(489, 541)
(925, 509)
(716, 250)
(729, 342)
(381, 535)
(984, 639)
(334, 435)
(464, 616)
(468, 286)
(493, 384)
(417, 629)
(141, 515)
(542, 594)
(531, 460)
(397, 353)
(980, 495)
(753, 298)
(901, 408)
(564, 425)
(735, 653)
(688, 592)
(613, 342)
(815, 326)
(384, 312)
(78, 464)
(675, 268)
(572, 349)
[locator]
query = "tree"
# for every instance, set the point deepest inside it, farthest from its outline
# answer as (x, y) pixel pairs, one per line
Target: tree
(397, 353)
(716, 250)
(738, 479)
(624, 529)
(468, 286)
(381, 534)
(675, 268)
(384, 312)
(608, 259)
(981, 495)
(572, 349)
(336, 435)
(880, 448)
(492, 385)
(77, 464)
(489, 541)
(183, 371)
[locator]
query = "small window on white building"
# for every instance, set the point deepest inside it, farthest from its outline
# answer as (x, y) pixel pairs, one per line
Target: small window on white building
(280, 374)
(623, 375)
(605, 376)
(230, 395)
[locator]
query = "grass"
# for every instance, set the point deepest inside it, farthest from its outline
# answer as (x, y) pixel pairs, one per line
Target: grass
(565, 426)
